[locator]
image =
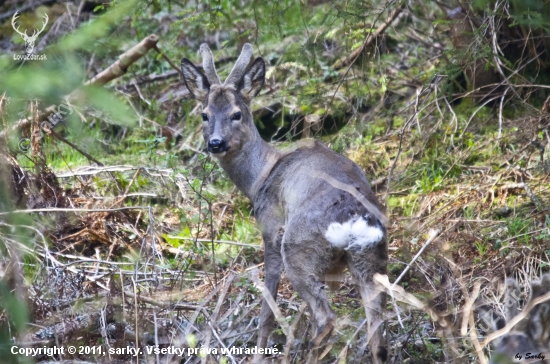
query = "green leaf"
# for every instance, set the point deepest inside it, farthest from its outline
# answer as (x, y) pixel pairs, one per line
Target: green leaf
(383, 84)
(104, 101)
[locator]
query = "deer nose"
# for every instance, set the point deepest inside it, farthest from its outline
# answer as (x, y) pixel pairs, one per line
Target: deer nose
(217, 145)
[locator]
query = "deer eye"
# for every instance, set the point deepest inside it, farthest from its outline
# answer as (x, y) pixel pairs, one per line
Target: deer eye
(236, 116)
(204, 117)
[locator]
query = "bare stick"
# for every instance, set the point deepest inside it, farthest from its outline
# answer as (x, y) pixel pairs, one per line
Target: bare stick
(370, 39)
(344, 351)
(432, 234)
(129, 57)
(475, 340)
(87, 155)
(401, 135)
(73, 210)
(215, 241)
(172, 64)
(214, 316)
(290, 337)
(468, 308)
(221, 342)
(136, 314)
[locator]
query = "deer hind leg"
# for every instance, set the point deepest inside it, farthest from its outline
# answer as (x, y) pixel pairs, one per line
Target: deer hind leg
(305, 264)
(363, 264)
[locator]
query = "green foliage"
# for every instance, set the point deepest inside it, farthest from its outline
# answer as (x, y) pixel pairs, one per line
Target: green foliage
(405, 205)
(431, 178)
(469, 212)
(482, 247)
(516, 225)
(248, 284)
(344, 139)
(519, 226)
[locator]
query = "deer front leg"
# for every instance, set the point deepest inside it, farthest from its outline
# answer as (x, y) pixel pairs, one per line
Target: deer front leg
(306, 263)
(273, 264)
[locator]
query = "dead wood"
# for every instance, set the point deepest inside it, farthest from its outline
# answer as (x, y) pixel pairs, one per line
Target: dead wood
(67, 326)
(128, 58)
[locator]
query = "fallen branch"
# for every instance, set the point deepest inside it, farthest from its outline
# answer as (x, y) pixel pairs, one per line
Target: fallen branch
(128, 58)
(167, 59)
(215, 241)
(66, 328)
(142, 80)
(468, 319)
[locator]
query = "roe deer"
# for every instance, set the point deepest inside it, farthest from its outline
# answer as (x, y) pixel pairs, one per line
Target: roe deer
(314, 207)
(529, 339)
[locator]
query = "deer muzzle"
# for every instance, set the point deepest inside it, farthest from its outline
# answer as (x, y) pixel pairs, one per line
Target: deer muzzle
(216, 146)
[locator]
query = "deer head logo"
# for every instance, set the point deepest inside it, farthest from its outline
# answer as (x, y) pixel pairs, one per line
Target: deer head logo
(29, 40)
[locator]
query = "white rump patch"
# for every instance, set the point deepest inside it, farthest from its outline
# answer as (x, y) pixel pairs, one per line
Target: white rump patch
(353, 233)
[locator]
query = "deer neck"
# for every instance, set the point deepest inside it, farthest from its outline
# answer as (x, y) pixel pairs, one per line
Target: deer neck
(249, 168)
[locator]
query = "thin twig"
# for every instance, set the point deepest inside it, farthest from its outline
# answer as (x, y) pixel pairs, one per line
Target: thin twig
(172, 64)
(215, 241)
(73, 210)
(75, 147)
(432, 234)
(370, 39)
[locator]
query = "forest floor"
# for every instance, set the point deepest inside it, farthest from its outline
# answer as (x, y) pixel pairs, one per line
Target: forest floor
(128, 234)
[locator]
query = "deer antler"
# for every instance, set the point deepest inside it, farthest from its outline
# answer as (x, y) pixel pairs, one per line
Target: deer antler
(35, 32)
(43, 25)
(240, 66)
(13, 20)
(208, 65)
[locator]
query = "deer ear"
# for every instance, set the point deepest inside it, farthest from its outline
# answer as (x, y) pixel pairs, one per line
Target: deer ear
(196, 82)
(252, 80)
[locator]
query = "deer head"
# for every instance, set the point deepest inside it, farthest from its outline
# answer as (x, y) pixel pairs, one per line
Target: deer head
(29, 40)
(227, 118)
